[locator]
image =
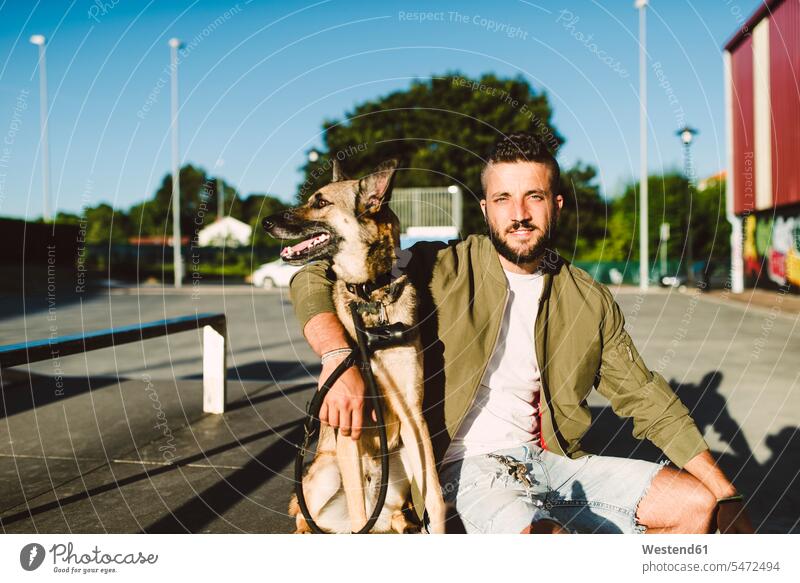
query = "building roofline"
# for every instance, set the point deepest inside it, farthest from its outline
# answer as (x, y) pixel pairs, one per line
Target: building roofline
(766, 7)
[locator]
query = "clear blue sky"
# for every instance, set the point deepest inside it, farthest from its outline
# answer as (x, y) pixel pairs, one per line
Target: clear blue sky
(256, 85)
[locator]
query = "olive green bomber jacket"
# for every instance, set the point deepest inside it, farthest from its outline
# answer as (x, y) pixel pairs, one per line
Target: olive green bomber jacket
(580, 343)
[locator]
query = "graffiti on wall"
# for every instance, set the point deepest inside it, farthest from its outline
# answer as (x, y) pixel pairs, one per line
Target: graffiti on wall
(774, 243)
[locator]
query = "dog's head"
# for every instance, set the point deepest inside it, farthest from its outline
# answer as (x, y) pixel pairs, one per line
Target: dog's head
(346, 220)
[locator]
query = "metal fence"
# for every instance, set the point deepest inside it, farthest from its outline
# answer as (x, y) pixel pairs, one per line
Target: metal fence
(436, 206)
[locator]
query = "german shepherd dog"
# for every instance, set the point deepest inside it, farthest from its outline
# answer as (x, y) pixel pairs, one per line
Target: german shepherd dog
(349, 221)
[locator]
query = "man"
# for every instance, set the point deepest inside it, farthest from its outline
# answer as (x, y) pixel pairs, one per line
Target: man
(515, 337)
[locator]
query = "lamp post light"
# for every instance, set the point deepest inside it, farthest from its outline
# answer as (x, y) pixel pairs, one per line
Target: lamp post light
(40, 41)
(644, 226)
(687, 134)
(174, 45)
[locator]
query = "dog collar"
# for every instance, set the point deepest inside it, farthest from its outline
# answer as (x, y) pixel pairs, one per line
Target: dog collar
(364, 290)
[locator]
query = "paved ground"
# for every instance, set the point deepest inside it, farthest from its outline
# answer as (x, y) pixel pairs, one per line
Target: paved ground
(127, 448)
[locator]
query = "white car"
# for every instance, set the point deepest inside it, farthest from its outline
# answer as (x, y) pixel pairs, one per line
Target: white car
(274, 274)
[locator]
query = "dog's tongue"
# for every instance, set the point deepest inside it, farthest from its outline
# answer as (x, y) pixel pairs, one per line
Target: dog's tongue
(303, 245)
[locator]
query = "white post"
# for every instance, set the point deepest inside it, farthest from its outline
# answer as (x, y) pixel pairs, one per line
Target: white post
(737, 260)
(174, 45)
(644, 252)
(215, 384)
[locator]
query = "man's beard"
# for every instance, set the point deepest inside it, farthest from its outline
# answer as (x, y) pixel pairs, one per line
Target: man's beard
(528, 256)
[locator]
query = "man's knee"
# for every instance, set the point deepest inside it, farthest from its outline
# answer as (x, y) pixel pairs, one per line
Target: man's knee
(698, 508)
(677, 502)
(706, 506)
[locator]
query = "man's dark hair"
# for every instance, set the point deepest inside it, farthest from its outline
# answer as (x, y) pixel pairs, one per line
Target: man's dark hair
(522, 147)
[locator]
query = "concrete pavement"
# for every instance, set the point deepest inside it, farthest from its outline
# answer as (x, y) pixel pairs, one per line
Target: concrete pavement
(128, 449)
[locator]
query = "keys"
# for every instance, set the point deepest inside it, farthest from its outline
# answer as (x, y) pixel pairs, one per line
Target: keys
(522, 475)
(515, 468)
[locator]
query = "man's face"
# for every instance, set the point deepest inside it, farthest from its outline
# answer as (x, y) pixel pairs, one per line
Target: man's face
(520, 209)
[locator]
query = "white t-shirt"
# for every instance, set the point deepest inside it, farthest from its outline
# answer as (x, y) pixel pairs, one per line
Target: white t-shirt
(506, 407)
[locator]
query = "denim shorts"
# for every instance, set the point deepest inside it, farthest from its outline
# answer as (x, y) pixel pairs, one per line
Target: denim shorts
(507, 490)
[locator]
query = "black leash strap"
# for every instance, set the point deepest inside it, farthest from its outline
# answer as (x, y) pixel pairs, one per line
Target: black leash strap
(312, 426)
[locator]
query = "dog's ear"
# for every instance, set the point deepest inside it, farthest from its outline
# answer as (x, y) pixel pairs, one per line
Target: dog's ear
(338, 173)
(374, 189)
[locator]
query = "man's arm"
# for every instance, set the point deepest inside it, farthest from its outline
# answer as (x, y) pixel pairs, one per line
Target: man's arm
(311, 293)
(310, 290)
(731, 517)
(344, 405)
(643, 395)
(658, 415)
(704, 468)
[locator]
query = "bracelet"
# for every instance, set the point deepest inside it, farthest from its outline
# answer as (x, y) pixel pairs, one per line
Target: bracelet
(335, 352)
(734, 498)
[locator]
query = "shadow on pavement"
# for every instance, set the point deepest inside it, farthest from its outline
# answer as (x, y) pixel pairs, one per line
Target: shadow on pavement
(771, 488)
(214, 501)
(22, 391)
(275, 370)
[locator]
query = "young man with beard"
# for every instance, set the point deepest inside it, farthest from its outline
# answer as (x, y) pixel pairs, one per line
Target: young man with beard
(515, 337)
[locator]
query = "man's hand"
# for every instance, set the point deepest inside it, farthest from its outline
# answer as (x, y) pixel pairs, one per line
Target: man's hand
(343, 406)
(732, 519)
(731, 516)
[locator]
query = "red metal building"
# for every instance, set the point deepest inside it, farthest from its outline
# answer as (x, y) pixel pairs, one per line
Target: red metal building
(762, 77)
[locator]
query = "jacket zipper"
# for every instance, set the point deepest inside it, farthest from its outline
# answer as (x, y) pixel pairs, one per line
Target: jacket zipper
(542, 442)
(540, 363)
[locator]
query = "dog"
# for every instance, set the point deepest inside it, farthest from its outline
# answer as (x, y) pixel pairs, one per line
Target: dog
(350, 222)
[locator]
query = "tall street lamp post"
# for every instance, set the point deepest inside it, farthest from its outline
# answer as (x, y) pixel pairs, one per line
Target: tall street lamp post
(174, 45)
(41, 42)
(644, 252)
(687, 134)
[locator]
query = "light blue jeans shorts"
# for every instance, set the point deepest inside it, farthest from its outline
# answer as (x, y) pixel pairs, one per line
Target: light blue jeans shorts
(509, 489)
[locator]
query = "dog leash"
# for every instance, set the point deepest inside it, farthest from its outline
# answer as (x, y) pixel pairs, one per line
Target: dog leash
(379, 336)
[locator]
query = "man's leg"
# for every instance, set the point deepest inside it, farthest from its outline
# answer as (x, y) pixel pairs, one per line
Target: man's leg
(490, 500)
(598, 494)
(544, 527)
(677, 502)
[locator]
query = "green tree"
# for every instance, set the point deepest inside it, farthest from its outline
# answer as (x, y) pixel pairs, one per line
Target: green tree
(441, 129)
(63, 218)
(255, 208)
(198, 204)
(669, 202)
(583, 224)
(232, 202)
(148, 219)
(104, 225)
(711, 230)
